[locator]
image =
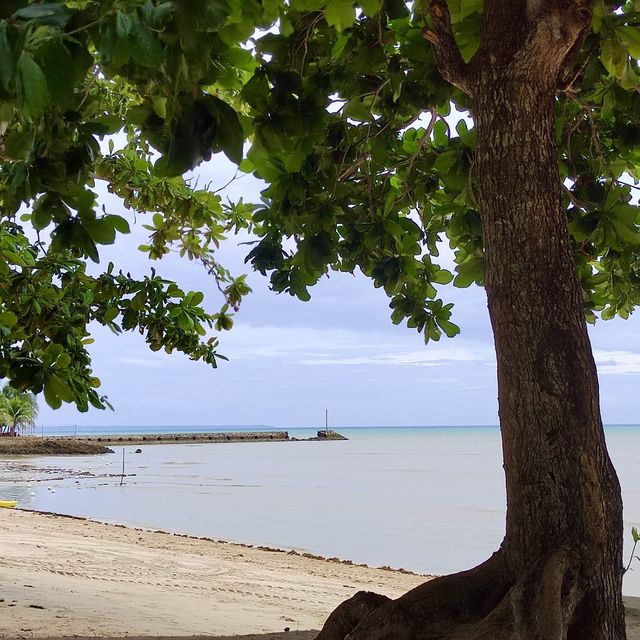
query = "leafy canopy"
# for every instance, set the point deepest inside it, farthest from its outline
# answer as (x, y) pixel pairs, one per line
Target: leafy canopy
(342, 113)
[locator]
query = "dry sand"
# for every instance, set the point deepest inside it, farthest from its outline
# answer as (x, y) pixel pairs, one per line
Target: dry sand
(61, 576)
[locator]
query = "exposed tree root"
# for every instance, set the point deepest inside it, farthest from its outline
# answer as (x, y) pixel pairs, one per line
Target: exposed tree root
(484, 603)
(348, 615)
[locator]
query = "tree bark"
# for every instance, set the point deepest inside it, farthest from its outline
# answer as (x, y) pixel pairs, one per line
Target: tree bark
(558, 573)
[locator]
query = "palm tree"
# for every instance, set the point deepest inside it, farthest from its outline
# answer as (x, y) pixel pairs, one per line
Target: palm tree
(18, 411)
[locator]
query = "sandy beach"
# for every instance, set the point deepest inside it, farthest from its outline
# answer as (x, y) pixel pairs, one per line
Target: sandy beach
(64, 576)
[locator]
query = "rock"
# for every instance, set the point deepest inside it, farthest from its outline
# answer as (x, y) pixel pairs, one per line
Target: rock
(330, 434)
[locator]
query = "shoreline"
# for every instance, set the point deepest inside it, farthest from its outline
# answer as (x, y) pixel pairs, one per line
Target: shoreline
(246, 545)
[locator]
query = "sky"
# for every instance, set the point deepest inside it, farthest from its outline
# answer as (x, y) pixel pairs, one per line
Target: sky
(290, 360)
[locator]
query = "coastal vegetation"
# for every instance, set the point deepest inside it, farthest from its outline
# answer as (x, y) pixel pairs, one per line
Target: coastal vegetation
(18, 411)
(346, 110)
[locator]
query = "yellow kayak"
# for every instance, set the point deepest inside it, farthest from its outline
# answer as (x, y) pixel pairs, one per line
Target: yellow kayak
(8, 504)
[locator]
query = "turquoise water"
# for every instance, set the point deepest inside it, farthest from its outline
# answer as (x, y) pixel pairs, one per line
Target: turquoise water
(426, 499)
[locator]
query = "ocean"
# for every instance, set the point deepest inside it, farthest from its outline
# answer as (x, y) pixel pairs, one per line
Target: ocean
(426, 499)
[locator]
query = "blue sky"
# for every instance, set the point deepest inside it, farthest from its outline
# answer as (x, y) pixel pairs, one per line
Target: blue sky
(289, 360)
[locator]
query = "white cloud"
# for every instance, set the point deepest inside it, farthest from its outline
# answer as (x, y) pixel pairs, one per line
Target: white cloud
(343, 347)
(617, 362)
(250, 341)
(431, 356)
(154, 363)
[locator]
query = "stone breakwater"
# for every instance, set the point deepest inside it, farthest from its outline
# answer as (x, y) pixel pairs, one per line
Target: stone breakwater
(185, 438)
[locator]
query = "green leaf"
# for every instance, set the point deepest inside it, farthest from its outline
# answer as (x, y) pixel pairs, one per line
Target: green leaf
(635, 535)
(196, 298)
(101, 230)
(442, 276)
(115, 51)
(160, 106)
(370, 7)
(124, 24)
(228, 135)
(146, 48)
(50, 395)
(6, 58)
(118, 223)
(446, 161)
(58, 386)
(41, 214)
(51, 13)
(8, 319)
(295, 281)
(256, 92)
(18, 144)
(31, 87)
(56, 64)
(340, 14)
(449, 328)
(630, 36)
(139, 300)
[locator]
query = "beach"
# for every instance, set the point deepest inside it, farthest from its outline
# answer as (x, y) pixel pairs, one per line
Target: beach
(66, 576)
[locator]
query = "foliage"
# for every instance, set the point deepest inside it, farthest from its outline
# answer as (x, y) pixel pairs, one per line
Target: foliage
(18, 411)
(349, 125)
(635, 536)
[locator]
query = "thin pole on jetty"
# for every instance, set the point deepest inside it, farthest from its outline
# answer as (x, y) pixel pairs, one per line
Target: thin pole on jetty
(326, 420)
(122, 476)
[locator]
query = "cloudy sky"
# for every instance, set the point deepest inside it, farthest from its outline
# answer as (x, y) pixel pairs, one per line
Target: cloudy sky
(289, 360)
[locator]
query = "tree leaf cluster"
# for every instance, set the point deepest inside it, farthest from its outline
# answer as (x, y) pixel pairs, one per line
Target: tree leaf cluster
(76, 79)
(366, 152)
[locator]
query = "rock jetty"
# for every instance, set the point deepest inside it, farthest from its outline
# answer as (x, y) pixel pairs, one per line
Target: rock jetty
(329, 434)
(185, 438)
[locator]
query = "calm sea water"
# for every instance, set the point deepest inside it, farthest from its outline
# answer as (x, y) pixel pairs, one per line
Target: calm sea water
(426, 499)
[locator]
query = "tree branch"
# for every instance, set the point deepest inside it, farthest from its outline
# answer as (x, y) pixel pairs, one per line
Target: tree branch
(448, 58)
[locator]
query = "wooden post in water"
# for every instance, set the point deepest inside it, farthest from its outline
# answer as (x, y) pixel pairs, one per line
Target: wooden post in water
(122, 476)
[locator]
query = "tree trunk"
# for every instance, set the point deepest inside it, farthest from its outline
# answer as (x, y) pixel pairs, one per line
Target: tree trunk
(558, 572)
(564, 515)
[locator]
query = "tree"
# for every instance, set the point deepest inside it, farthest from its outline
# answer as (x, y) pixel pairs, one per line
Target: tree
(346, 106)
(18, 411)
